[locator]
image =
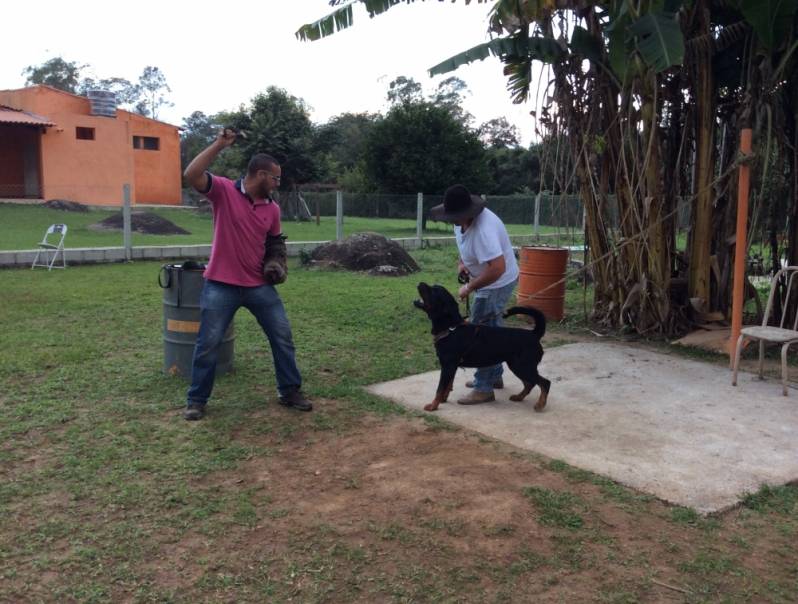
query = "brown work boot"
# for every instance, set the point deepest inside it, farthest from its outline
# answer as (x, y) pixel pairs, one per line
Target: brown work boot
(497, 385)
(296, 400)
(477, 398)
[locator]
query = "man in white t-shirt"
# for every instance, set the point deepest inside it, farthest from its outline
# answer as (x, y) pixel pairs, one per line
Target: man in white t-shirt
(487, 258)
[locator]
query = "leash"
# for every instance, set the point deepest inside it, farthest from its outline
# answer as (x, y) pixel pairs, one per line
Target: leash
(463, 277)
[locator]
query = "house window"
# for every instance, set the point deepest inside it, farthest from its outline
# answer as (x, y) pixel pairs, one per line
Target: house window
(84, 134)
(148, 143)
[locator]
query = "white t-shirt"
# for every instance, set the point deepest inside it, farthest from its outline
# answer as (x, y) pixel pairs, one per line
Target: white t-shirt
(485, 240)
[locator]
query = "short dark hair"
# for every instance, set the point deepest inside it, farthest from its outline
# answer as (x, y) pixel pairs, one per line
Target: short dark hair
(261, 161)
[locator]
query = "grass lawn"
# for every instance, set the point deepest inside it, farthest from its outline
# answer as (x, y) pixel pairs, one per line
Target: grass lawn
(22, 227)
(108, 495)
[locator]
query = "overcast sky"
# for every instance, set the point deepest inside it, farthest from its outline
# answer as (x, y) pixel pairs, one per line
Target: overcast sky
(216, 56)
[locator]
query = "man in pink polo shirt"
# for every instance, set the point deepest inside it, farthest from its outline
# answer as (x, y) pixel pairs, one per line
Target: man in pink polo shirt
(244, 215)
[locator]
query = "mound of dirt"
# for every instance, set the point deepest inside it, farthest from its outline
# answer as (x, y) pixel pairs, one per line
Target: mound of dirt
(141, 222)
(365, 252)
(65, 205)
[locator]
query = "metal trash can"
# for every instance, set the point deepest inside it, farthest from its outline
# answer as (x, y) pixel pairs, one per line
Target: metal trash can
(181, 320)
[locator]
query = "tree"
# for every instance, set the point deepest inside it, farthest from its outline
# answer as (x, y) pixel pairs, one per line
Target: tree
(513, 170)
(344, 137)
(422, 147)
(55, 72)
(450, 94)
(499, 133)
(127, 93)
(198, 132)
(276, 123)
(404, 90)
(152, 83)
(646, 105)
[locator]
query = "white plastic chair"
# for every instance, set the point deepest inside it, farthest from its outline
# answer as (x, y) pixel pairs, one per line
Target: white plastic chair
(769, 333)
(46, 248)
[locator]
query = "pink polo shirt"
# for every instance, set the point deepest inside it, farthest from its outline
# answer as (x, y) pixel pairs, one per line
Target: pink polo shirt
(240, 227)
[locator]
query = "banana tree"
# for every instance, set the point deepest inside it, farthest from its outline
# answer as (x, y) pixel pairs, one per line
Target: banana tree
(649, 97)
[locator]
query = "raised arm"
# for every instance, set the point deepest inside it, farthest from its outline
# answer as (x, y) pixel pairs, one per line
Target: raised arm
(195, 171)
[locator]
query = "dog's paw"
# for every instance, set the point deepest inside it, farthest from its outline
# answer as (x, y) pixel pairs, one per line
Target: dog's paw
(541, 404)
(516, 398)
(431, 407)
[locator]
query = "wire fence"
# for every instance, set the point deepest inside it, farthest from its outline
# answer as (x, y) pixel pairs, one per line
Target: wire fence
(564, 211)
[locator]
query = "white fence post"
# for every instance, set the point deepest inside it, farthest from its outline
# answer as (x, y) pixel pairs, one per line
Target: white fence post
(339, 215)
(419, 218)
(126, 241)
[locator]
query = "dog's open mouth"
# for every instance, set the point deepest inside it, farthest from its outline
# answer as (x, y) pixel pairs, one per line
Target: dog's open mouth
(420, 304)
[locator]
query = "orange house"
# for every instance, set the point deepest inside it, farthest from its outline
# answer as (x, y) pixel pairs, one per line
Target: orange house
(57, 145)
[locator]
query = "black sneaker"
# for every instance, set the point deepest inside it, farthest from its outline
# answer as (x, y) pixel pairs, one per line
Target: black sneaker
(194, 411)
(296, 400)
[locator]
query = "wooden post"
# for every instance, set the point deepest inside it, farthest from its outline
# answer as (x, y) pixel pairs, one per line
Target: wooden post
(339, 215)
(419, 218)
(740, 245)
(126, 240)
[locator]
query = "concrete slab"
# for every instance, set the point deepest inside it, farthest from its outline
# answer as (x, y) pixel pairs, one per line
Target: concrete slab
(668, 426)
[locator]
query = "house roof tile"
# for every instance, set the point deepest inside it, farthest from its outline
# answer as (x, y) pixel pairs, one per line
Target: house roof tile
(9, 115)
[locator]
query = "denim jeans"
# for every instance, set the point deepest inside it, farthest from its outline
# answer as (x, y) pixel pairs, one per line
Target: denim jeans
(487, 310)
(218, 303)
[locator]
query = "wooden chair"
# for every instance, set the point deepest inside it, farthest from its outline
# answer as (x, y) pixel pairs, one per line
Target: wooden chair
(786, 333)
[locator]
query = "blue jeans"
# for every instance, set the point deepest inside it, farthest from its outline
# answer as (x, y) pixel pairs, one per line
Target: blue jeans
(218, 303)
(487, 310)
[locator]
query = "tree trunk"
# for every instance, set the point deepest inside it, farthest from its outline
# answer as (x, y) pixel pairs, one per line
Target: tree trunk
(701, 236)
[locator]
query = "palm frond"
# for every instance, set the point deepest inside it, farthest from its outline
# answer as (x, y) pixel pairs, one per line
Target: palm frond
(659, 40)
(339, 19)
(537, 48)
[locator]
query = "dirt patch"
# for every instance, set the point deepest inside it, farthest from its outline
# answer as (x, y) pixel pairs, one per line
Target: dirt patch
(65, 205)
(141, 222)
(365, 252)
(397, 506)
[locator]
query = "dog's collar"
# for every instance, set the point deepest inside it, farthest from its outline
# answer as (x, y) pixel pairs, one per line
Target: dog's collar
(437, 337)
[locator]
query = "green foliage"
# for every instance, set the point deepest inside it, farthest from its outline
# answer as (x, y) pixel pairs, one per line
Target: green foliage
(517, 52)
(279, 124)
(421, 147)
(127, 93)
(404, 90)
(153, 87)
(355, 179)
(772, 20)
(499, 133)
(341, 147)
(199, 130)
(56, 72)
(513, 170)
(659, 40)
(275, 122)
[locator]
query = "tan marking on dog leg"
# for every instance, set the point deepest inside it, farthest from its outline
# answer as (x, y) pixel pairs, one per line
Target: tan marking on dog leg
(433, 406)
(447, 392)
(541, 401)
(521, 395)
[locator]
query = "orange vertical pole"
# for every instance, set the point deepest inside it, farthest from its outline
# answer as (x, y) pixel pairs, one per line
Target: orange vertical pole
(740, 244)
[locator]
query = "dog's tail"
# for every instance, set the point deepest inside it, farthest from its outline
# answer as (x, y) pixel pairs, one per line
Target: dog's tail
(540, 318)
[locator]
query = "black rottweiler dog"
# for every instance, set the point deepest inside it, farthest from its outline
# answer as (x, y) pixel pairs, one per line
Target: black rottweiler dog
(460, 344)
